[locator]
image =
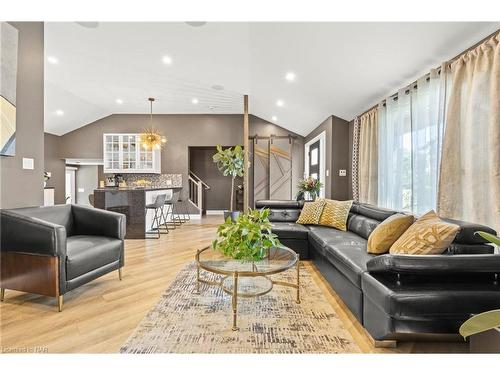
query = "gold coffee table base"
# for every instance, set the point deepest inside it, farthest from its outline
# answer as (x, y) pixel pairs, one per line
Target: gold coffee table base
(236, 278)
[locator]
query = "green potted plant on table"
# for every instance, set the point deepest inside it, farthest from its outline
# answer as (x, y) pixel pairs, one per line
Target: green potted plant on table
(230, 162)
(248, 238)
(309, 186)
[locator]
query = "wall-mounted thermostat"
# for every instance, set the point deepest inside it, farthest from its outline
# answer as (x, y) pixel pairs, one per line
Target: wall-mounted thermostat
(342, 172)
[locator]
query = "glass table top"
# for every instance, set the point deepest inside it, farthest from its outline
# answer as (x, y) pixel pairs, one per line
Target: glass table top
(278, 260)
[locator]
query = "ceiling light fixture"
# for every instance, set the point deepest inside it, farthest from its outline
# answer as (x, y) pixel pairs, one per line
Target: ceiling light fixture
(59, 112)
(52, 60)
(194, 101)
(290, 76)
(151, 138)
(196, 23)
(274, 118)
(280, 103)
(166, 60)
(119, 101)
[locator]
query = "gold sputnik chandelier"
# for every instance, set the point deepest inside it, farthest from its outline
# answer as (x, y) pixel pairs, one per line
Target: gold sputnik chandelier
(151, 138)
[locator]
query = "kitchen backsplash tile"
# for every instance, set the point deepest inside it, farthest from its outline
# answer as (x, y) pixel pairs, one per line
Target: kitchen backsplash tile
(154, 180)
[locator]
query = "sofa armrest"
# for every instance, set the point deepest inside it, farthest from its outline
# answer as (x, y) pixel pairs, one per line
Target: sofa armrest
(97, 222)
(20, 233)
(434, 264)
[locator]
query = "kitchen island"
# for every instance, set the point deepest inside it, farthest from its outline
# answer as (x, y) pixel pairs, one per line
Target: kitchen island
(132, 201)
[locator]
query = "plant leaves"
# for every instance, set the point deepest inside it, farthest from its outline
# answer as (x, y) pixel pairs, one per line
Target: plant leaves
(489, 237)
(480, 323)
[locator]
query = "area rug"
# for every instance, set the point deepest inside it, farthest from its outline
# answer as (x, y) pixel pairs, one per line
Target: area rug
(186, 322)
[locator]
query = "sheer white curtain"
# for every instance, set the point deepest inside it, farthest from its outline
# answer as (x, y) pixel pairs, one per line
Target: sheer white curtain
(410, 139)
(428, 102)
(394, 171)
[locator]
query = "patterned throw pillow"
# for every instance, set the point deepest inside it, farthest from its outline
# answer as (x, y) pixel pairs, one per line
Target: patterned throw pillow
(335, 213)
(311, 212)
(387, 232)
(429, 235)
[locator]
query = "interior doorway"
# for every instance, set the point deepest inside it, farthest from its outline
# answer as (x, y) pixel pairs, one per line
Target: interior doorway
(314, 160)
(70, 185)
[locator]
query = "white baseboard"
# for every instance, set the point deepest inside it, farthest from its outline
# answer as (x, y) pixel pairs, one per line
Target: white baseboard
(215, 212)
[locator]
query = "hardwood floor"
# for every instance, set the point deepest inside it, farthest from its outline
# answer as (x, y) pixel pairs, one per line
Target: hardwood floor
(98, 317)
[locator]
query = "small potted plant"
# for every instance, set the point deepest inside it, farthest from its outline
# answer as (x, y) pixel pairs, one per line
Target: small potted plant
(308, 186)
(230, 162)
(248, 238)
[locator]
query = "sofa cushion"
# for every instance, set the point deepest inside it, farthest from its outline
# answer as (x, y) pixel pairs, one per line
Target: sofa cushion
(372, 212)
(335, 214)
(428, 235)
(387, 232)
(87, 253)
(311, 212)
(350, 259)
(284, 215)
(290, 230)
(361, 225)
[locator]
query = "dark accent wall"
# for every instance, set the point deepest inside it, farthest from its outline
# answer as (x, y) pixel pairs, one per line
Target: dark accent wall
(325, 126)
(22, 187)
(181, 132)
(56, 166)
(337, 156)
(201, 163)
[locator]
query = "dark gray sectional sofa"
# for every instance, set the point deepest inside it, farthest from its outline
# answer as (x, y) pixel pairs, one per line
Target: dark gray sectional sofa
(395, 296)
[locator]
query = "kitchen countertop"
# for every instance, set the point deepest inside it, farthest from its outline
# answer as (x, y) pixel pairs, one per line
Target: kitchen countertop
(129, 188)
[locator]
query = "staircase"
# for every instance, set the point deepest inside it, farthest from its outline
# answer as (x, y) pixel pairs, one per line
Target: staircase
(197, 188)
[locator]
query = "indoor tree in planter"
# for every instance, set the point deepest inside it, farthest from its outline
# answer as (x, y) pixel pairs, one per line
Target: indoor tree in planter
(230, 162)
(248, 238)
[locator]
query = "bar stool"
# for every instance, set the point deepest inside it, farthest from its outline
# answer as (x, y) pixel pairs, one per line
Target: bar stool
(171, 204)
(182, 203)
(157, 206)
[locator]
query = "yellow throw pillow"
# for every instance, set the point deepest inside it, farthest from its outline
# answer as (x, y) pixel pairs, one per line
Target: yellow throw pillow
(335, 213)
(429, 235)
(311, 212)
(387, 232)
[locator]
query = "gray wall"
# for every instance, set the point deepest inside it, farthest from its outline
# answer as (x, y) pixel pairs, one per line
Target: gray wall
(337, 156)
(86, 179)
(20, 187)
(325, 126)
(181, 131)
(56, 166)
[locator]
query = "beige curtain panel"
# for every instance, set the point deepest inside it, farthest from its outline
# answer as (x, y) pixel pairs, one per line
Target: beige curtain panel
(368, 157)
(469, 187)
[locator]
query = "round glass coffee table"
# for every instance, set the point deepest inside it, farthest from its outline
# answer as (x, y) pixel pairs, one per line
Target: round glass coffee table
(241, 278)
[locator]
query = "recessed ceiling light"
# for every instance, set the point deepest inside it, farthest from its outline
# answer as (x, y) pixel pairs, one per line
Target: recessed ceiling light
(59, 112)
(88, 25)
(290, 76)
(119, 101)
(194, 101)
(280, 103)
(196, 23)
(274, 118)
(52, 60)
(166, 60)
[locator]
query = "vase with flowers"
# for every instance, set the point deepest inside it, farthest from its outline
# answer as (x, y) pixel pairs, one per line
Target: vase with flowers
(309, 188)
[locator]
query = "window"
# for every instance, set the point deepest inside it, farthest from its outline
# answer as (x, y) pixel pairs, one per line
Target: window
(410, 136)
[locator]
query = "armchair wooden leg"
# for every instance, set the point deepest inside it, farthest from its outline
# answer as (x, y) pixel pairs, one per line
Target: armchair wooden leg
(60, 303)
(120, 273)
(2, 294)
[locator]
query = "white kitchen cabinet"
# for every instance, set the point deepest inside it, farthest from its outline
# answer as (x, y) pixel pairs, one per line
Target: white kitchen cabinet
(122, 153)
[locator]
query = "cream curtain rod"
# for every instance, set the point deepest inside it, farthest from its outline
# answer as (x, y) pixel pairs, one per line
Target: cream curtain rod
(448, 63)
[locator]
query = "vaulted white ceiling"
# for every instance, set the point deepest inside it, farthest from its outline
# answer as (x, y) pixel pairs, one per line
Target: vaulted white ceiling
(340, 68)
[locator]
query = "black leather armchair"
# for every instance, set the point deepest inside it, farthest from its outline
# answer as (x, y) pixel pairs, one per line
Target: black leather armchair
(52, 250)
